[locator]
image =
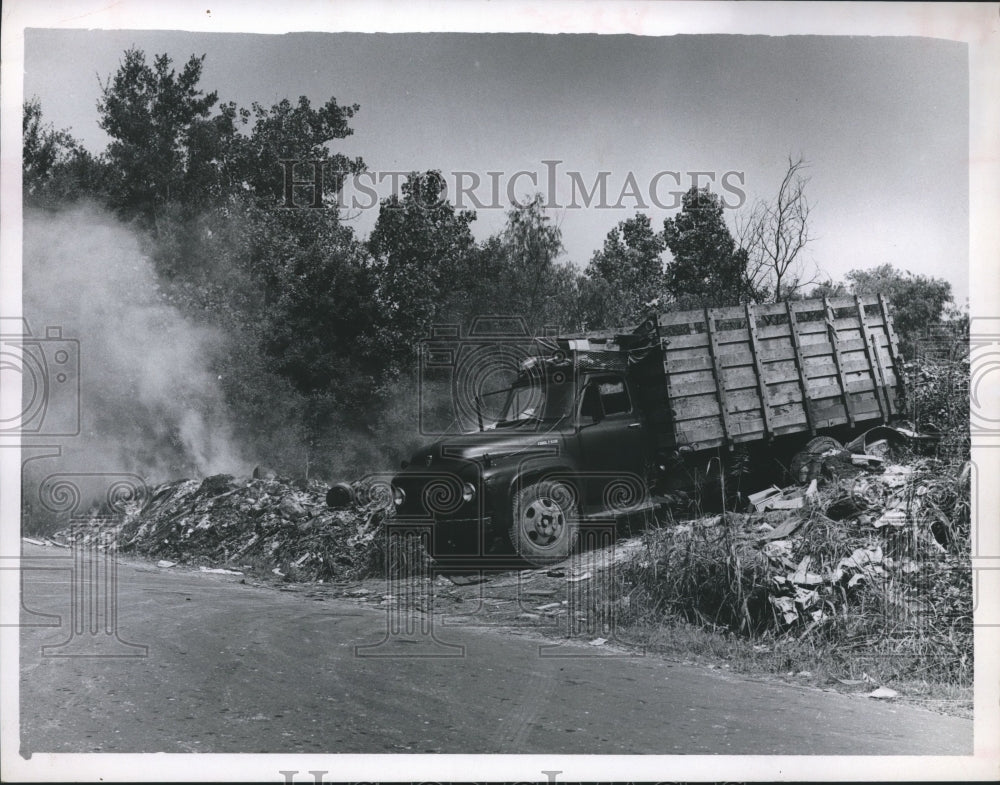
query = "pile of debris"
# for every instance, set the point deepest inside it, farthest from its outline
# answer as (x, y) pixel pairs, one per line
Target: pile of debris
(874, 547)
(887, 537)
(280, 526)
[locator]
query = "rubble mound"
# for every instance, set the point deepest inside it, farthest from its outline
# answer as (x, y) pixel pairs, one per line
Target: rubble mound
(874, 556)
(273, 524)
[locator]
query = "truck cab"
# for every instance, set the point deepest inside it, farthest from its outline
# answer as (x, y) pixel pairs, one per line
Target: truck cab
(566, 449)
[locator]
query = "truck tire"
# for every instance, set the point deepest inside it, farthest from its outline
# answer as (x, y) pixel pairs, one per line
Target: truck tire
(802, 461)
(544, 522)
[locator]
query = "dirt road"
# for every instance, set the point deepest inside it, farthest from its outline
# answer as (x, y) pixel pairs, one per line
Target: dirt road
(238, 668)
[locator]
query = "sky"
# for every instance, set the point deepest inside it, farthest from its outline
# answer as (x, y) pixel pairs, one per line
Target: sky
(883, 123)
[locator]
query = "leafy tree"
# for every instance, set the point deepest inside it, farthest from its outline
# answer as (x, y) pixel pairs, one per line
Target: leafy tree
(828, 288)
(564, 298)
(423, 253)
(316, 320)
(44, 146)
(163, 141)
(918, 301)
(706, 269)
(55, 167)
(631, 264)
(319, 310)
(297, 132)
(167, 145)
(531, 244)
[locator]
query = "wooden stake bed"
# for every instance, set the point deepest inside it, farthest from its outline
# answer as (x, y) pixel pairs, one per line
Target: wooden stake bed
(752, 372)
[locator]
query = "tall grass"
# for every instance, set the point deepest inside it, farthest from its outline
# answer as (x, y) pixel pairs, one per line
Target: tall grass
(907, 615)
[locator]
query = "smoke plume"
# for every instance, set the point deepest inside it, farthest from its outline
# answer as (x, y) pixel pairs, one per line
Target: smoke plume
(149, 401)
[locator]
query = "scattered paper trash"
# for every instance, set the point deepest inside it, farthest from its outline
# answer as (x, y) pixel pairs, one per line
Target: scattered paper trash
(794, 503)
(760, 499)
(883, 693)
(867, 460)
(895, 517)
(803, 576)
(812, 492)
(786, 607)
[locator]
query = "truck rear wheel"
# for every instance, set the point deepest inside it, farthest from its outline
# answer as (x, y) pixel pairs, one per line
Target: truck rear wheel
(544, 522)
(802, 464)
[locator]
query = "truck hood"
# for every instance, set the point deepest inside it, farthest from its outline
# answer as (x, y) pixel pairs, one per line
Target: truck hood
(497, 443)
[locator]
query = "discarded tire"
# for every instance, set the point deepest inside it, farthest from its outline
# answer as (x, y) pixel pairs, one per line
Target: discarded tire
(340, 496)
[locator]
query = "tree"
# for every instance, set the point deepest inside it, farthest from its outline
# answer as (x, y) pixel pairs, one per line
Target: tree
(44, 146)
(293, 295)
(423, 252)
(918, 301)
(55, 168)
(828, 288)
(775, 234)
(287, 132)
(531, 244)
(631, 264)
(320, 308)
(706, 269)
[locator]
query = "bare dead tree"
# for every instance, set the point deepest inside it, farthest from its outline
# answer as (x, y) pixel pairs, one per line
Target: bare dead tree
(774, 234)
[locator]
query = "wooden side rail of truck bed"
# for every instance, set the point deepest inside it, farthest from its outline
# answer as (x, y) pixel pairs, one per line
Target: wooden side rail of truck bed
(753, 372)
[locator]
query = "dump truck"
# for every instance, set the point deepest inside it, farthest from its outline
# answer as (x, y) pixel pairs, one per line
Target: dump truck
(594, 427)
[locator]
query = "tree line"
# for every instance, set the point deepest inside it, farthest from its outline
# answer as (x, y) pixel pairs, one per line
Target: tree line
(322, 322)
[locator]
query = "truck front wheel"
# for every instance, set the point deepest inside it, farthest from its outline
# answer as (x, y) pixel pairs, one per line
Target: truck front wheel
(544, 522)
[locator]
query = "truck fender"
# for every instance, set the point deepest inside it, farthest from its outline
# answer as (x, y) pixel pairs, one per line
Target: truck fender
(533, 470)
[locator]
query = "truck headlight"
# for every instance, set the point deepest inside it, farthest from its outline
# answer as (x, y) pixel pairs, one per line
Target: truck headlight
(398, 495)
(468, 492)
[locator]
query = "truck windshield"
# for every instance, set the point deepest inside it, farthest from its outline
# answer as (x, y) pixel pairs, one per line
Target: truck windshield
(532, 400)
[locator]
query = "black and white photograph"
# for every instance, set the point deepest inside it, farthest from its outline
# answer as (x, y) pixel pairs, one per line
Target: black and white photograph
(610, 389)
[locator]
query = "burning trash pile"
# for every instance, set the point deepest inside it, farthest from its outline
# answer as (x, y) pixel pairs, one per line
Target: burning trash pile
(871, 553)
(272, 524)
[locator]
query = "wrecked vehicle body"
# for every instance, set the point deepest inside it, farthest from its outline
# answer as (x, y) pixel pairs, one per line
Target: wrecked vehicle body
(595, 427)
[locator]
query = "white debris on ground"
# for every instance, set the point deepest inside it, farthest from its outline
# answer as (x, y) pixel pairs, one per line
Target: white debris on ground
(882, 538)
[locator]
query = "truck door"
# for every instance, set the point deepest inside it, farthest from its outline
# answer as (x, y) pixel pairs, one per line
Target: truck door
(611, 442)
